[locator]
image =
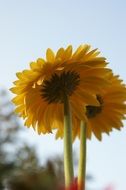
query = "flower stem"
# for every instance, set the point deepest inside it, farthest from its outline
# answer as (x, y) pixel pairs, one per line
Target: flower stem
(82, 158)
(68, 156)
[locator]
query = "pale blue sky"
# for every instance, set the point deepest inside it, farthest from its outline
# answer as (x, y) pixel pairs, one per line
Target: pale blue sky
(29, 27)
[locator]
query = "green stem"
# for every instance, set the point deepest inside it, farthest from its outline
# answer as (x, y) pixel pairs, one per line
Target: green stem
(68, 159)
(82, 158)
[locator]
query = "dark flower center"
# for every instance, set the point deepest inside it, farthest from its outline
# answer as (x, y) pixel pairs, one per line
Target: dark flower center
(59, 85)
(92, 111)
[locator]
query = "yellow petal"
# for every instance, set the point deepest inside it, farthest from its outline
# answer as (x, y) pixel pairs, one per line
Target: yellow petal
(81, 53)
(86, 97)
(60, 53)
(79, 49)
(68, 53)
(18, 99)
(96, 130)
(50, 56)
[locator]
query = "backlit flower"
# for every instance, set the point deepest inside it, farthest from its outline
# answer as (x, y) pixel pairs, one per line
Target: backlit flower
(112, 109)
(40, 90)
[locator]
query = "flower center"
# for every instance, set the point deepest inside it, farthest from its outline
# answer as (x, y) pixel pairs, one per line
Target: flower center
(60, 85)
(92, 111)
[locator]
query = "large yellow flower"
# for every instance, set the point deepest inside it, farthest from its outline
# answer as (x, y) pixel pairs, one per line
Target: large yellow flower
(40, 90)
(111, 111)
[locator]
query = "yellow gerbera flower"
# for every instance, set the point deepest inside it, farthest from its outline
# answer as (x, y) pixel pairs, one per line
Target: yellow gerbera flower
(40, 90)
(111, 111)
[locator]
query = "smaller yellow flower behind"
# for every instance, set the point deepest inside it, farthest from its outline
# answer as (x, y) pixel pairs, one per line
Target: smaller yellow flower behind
(40, 90)
(112, 109)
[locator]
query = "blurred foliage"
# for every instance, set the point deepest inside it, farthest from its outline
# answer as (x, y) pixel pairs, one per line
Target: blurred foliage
(8, 131)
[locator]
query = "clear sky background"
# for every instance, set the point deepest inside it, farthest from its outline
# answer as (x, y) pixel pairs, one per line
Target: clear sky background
(29, 27)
